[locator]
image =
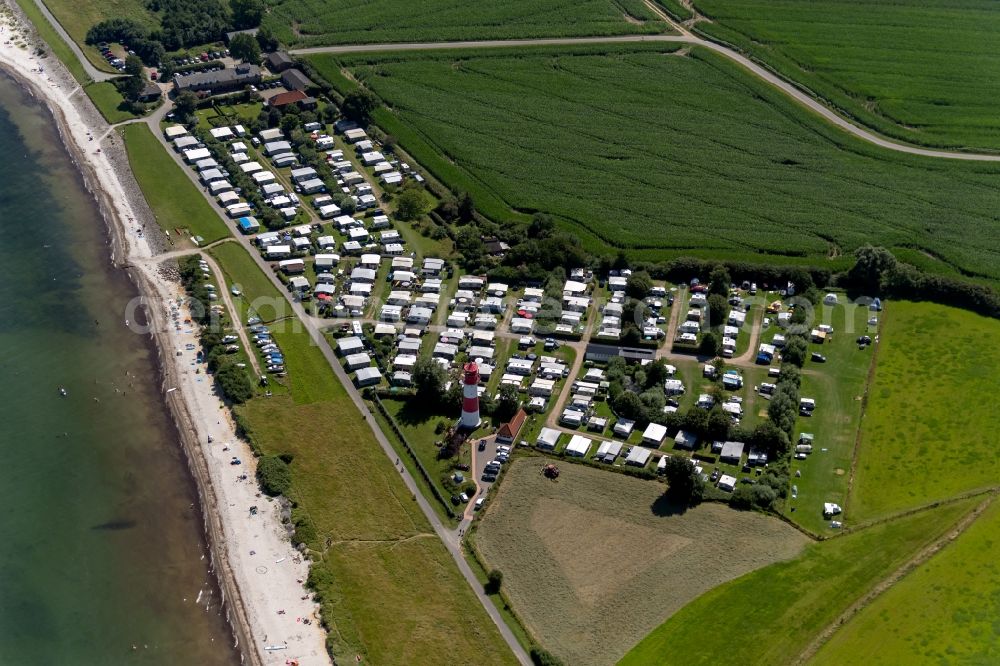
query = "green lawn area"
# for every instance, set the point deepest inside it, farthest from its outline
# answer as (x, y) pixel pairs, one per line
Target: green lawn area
(837, 386)
(313, 22)
(945, 612)
(927, 73)
(52, 38)
(78, 16)
(771, 177)
(929, 431)
(260, 296)
(175, 200)
(769, 616)
(389, 590)
(109, 101)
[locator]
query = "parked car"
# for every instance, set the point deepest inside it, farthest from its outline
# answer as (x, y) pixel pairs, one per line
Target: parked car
(482, 445)
(819, 358)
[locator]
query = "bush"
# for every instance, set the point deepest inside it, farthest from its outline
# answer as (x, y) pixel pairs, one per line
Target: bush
(233, 381)
(493, 581)
(542, 657)
(274, 475)
(305, 531)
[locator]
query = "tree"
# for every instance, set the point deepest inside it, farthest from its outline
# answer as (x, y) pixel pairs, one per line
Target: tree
(871, 265)
(429, 379)
(717, 427)
(466, 208)
(133, 66)
(274, 475)
(411, 203)
(638, 285)
(769, 437)
(358, 105)
(494, 579)
(684, 485)
(795, 350)
(756, 496)
(245, 47)
(542, 226)
(656, 373)
(783, 411)
(629, 406)
(268, 42)
(709, 345)
(719, 281)
(717, 308)
(186, 103)
(507, 402)
(246, 13)
(234, 382)
(132, 87)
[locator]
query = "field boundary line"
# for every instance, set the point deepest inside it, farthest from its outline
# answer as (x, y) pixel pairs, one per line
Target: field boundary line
(888, 582)
(869, 379)
(982, 490)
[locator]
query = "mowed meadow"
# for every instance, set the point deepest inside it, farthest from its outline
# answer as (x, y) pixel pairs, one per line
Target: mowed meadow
(593, 561)
(317, 22)
(929, 431)
(772, 615)
(643, 148)
(928, 73)
(945, 612)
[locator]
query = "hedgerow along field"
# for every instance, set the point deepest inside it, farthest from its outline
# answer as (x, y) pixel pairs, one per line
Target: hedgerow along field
(595, 560)
(945, 612)
(635, 148)
(929, 431)
(771, 615)
(318, 22)
(927, 73)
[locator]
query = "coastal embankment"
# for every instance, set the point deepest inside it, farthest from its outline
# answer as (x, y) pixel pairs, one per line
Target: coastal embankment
(260, 575)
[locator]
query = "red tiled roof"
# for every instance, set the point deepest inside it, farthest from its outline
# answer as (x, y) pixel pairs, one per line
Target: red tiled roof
(510, 429)
(286, 98)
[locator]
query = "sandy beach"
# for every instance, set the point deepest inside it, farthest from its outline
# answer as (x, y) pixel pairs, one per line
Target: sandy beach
(261, 575)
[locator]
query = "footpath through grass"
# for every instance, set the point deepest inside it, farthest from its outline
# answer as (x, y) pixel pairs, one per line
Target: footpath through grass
(929, 432)
(632, 147)
(312, 23)
(175, 200)
(389, 589)
(943, 613)
(927, 73)
(771, 615)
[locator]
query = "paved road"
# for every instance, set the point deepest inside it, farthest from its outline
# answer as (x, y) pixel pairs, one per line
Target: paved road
(450, 538)
(803, 98)
(92, 72)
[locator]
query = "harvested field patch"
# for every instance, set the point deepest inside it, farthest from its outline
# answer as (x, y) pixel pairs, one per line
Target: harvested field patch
(596, 546)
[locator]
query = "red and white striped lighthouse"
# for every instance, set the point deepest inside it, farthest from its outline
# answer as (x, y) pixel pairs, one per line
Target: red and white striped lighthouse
(470, 397)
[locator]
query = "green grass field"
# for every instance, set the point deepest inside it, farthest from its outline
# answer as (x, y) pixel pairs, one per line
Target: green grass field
(314, 22)
(930, 429)
(175, 200)
(389, 589)
(922, 72)
(771, 615)
(632, 147)
(945, 612)
(260, 296)
(837, 386)
(594, 561)
(109, 101)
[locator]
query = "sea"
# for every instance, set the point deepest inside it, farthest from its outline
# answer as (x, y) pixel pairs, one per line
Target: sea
(103, 558)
